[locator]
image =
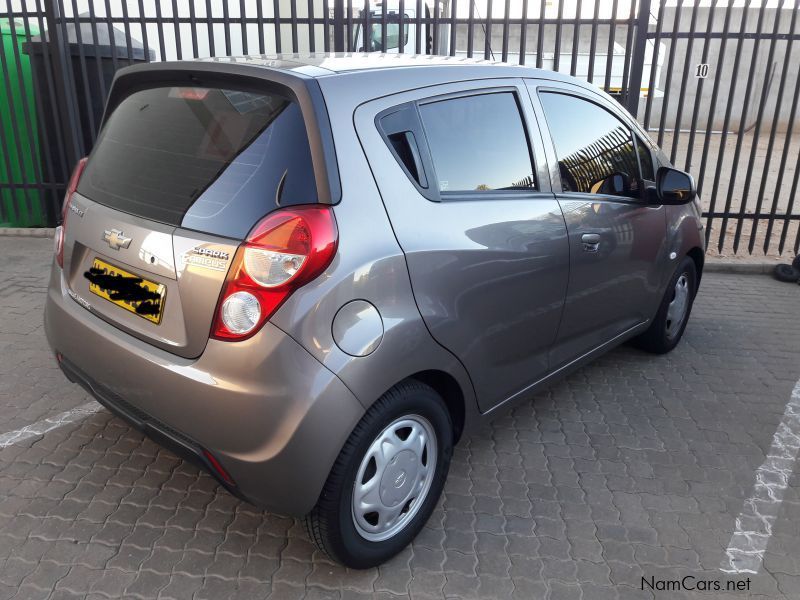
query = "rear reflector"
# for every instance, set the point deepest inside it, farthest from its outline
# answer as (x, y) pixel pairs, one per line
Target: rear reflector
(218, 468)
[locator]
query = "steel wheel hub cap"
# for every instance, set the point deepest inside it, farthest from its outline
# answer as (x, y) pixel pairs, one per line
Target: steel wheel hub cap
(394, 478)
(676, 311)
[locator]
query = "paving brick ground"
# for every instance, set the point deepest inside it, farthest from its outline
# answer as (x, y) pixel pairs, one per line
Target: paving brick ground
(634, 466)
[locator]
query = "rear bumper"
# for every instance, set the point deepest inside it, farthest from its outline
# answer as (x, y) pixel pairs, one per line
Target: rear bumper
(272, 415)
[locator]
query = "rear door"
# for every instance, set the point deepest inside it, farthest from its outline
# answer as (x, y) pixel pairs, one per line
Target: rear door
(617, 241)
(462, 174)
(178, 177)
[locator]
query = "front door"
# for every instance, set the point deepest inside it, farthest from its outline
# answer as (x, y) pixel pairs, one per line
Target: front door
(462, 174)
(617, 241)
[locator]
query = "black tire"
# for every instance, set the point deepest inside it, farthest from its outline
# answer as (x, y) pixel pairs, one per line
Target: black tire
(663, 335)
(786, 273)
(796, 263)
(331, 524)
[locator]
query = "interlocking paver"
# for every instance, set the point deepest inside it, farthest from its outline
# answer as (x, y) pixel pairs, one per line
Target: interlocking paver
(633, 466)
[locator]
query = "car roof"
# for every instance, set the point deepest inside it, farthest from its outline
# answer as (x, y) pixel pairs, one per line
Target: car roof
(329, 64)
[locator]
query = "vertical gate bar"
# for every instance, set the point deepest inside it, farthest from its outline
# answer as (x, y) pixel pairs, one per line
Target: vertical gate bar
(681, 95)
(126, 24)
(27, 193)
(506, 17)
(652, 83)
(713, 107)
(576, 32)
(401, 45)
(727, 119)
(160, 29)
(787, 140)
(700, 84)
(629, 49)
(226, 27)
(350, 40)
(523, 33)
(262, 46)
(312, 43)
(384, 20)
(55, 109)
(540, 38)
(487, 32)
(612, 33)
(93, 21)
(670, 66)
(192, 27)
(740, 133)
(176, 27)
(326, 26)
(112, 44)
(757, 134)
(47, 206)
(212, 48)
(367, 26)
(418, 29)
(454, 26)
(789, 209)
(276, 23)
(83, 70)
(435, 41)
(64, 82)
(243, 25)
(593, 41)
(293, 18)
(142, 24)
(634, 86)
(559, 19)
(471, 27)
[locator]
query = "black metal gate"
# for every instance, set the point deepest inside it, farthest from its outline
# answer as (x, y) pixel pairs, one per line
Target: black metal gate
(716, 84)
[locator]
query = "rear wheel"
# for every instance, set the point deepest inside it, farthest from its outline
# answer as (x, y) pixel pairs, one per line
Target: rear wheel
(670, 321)
(387, 478)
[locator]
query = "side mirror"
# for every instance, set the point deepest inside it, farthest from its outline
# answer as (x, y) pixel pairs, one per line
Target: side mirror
(674, 186)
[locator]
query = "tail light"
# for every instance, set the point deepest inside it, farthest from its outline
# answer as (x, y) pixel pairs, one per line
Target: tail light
(58, 238)
(286, 250)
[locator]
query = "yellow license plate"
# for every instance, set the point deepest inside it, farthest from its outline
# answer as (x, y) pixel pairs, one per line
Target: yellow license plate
(131, 292)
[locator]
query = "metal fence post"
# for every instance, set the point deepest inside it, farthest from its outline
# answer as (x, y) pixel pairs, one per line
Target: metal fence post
(338, 26)
(637, 58)
(58, 48)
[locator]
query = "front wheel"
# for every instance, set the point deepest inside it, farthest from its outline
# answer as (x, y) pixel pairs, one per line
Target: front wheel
(387, 478)
(670, 321)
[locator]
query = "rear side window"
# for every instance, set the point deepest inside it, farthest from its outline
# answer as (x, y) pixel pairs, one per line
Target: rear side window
(478, 143)
(209, 159)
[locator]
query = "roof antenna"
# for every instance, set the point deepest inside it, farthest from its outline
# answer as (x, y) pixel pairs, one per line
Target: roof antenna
(483, 26)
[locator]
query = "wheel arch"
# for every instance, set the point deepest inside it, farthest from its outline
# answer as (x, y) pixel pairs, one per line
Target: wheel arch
(450, 390)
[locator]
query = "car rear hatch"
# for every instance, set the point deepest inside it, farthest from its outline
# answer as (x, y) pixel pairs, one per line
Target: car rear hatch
(187, 162)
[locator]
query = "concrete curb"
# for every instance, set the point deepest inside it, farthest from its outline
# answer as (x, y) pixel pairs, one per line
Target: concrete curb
(740, 267)
(39, 232)
(712, 265)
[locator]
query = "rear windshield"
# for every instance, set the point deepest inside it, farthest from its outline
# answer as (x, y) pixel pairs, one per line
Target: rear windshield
(209, 159)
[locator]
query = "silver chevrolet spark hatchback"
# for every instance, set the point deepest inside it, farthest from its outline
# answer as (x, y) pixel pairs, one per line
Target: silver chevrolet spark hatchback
(312, 275)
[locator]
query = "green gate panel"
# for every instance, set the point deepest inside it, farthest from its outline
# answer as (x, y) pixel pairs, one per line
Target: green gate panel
(20, 207)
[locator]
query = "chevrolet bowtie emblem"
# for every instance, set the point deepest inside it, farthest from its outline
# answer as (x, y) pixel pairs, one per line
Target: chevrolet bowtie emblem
(116, 239)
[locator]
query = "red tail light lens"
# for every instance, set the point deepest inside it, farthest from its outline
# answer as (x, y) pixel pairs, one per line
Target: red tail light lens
(58, 238)
(285, 251)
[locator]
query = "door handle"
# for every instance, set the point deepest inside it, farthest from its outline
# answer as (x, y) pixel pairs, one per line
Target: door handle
(591, 242)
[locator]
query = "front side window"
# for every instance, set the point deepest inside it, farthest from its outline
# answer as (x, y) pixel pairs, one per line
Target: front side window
(478, 143)
(595, 150)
